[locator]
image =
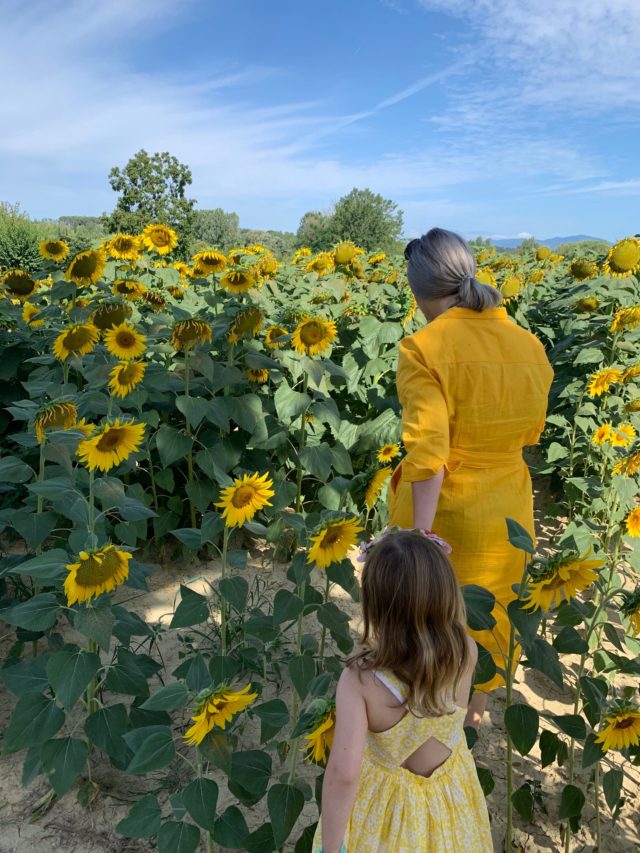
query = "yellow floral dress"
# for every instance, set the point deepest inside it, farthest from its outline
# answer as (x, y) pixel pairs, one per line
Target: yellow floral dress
(397, 811)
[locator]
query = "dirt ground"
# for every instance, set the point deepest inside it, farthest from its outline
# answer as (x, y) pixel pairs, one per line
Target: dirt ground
(27, 825)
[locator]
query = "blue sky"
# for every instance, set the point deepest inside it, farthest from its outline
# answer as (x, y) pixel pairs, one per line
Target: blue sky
(492, 117)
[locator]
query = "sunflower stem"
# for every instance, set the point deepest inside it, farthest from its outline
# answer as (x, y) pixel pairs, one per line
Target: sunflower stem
(192, 509)
(223, 603)
(301, 443)
(295, 708)
(93, 542)
(323, 636)
(596, 802)
(208, 839)
(154, 490)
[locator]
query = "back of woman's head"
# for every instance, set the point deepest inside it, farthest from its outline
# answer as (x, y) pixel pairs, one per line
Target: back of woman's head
(440, 264)
(414, 620)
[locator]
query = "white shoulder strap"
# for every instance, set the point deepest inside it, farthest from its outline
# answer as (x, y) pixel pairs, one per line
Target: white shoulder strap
(390, 687)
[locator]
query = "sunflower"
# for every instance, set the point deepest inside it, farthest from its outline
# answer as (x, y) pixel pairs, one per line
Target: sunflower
(588, 304)
(486, 276)
(633, 405)
(555, 259)
(388, 452)
(86, 267)
(208, 262)
(333, 541)
(160, 239)
(561, 579)
(187, 334)
(176, 291)
(632, 523)
(242, 500)
(125, 376)
(300, 255)
(125, 342)
(19, 285)
(376, 485)
(313, 336)
(536, 276)
(629, 466)
(320, 739)
(631, 373)
(623, 435)
(59, 414)
(268, 265)
(271, 337)
(53, 250)
(247, 323)
(322, 263)
(110, 444)
(542, 253)
(392, 278)
(236, 255)
(623, 259)
(125, 247)
(410, 312)
(581, 269)
(129, 289)
(511, 286)
(258, 376)
(78, 339)
(631, 609)
(96, 572)
(217, 708)
(184, 269)
(345, 252)
(83, 427)
(239, 280)
(602, 380)
(621, 728)
(626, 318)
(155, 299)
(30, 315)
(110, 314)
(377, 258)
(602, 434)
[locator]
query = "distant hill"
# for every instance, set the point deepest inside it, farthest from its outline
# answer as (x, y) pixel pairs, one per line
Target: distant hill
(551, 242)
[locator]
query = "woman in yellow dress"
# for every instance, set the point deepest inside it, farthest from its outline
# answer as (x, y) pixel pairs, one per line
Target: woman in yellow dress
(473, 387)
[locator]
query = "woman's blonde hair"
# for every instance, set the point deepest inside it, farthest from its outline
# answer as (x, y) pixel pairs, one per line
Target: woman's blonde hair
(440, 264)
(414, 620)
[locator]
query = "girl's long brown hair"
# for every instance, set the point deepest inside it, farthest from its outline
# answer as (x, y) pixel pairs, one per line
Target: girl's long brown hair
(414, 620)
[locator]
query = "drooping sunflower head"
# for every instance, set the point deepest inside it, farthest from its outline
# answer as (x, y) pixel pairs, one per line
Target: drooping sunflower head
(313, 335)
(319, 740)
(629, 466)
(177, 291)
(623, 259)
(110, 314)
(184, 269)
(588, 304)
(581, 269)
(542, 253)
(244, 498)
(96, 572)
(485, 275)
(555, 258)
(482, 257)
(216, 708)
(322, 263)
(632, 523)
(111, 444)
(345, 252)
(332, 542)
(268, 264)
(246, 324)
(300, 255)
(388, 452)
(560, 579)
(410, 313)
(511, 286)
(602, 380)
(187, 334)
(631, 608)
(631, 373)
(30, 315)
(258, 376)
(125, 342)
(125, 247)
(626, 318)
(53, 250)
(602, 434)
(58, 414)
(237, 254)
(77, 340)
(392, 277)
(124, 377)
(86, 267)
(622, 435)
(239, 280)
(376, 485)
(620, 727)
(376, 258)
(18, 284)
(633, 405)
(129, 289)
(208, 262)
(155, 299)
(159, 238)
(536, 276)
(274, 335)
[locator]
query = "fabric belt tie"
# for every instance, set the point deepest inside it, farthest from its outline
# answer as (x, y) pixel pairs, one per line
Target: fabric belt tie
(459, 456)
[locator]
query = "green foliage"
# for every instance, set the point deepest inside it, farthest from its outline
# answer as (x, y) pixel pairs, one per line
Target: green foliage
(215, 228)
(19, 238)
(368, 219)
(316, 231)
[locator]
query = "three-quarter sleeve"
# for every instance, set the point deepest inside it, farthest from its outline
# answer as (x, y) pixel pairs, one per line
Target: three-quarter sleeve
(425, 416)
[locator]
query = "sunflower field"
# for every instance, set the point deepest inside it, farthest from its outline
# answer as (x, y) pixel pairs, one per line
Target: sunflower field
(236, 420)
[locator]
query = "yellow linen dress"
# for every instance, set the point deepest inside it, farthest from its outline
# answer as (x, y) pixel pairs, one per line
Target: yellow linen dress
(397, 811)
(473, 388)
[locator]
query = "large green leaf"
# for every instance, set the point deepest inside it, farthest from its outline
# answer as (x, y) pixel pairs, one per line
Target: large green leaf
(572, 725)
(519, 537)
(521, 722)
(35, 719)
(153, 752)
(479, 603)
(526, 622)
(287, 606)
(290, 404)
(172, 445)
(522, 800)
(29, 676)
(250, 775)
(331, 617)
(126, 676)
(106, 727)
(285, 803)
(317, 460)
(231, 829)
(612, 787)
(96, 623)
(47, 566)
(200, 799)
(192, 609)
(542, 656)
(273, 716)
(70, 673)
(178, 837)
(143, 820)
(235, 590)
(34, 527)
(36, 614)
(14, 470)
(572, 801)
(568, 641)
(63, 760)
(302, 670)
(168, 698)
(195, 409)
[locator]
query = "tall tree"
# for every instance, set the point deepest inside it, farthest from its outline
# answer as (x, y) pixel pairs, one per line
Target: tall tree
(152, 188)
(368, 219)
(216, 227)
(316, 231)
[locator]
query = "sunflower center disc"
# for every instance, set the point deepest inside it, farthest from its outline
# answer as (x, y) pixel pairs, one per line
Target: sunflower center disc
(126, 340)
(93, 571)
(76, 339)
(243, 496)
(109, 440)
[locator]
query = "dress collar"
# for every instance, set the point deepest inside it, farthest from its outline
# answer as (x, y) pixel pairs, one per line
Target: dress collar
(458, 313)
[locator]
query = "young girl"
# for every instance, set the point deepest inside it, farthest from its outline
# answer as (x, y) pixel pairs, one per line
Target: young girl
(400, 778)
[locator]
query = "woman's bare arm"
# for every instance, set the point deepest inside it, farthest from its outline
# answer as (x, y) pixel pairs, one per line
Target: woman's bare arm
(426, 494)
